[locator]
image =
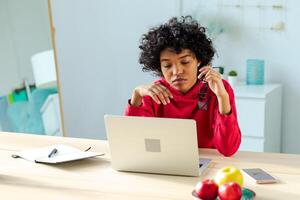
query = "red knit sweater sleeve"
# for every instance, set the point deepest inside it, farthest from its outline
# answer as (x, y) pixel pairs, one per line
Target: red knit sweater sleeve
(227, 134)
(145, 109)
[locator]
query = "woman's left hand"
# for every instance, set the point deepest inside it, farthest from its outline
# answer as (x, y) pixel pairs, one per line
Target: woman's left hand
(214, 80)
(215, 83)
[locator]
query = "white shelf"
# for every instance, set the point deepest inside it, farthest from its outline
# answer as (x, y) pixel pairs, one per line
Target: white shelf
(51, 116)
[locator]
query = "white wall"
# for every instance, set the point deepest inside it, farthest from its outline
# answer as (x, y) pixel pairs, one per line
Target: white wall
(97, 46)
(24, 31)
(280, 50)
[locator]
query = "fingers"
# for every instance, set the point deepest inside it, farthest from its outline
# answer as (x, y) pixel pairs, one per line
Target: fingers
(203, 71)
(166, 91)
(154, 96)
(160, 94)
(207, 73)
(213, 74)
(212, 77)
(156, 91)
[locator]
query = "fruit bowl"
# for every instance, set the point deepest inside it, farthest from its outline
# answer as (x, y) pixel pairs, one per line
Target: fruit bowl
(247, 195)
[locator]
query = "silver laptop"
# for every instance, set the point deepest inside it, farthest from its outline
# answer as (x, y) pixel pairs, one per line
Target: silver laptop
(154, 145)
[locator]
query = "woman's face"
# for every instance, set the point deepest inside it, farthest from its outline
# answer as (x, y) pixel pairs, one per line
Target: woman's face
(179, 70)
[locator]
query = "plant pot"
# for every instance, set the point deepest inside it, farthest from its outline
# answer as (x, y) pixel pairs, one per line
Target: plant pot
(232, 80)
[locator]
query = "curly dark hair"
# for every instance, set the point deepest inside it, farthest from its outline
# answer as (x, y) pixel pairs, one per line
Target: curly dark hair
(177, 34)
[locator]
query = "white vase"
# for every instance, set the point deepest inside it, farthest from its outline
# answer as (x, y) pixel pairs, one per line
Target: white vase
(232, 80)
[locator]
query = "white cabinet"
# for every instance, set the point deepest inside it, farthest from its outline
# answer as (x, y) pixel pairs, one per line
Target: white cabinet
(259, 116)
(51, 116)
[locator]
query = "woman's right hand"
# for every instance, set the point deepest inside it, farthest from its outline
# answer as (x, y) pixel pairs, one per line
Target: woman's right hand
(158, 92)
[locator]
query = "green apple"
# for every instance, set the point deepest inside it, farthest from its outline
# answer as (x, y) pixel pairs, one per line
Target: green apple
(229, 174)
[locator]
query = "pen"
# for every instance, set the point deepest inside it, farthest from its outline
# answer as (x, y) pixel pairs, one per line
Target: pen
(54, 151)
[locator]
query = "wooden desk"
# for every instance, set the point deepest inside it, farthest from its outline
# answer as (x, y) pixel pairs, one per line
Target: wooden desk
(94, 178)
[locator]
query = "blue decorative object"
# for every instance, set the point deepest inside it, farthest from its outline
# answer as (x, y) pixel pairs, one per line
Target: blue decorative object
(255, 72)
(25, 117)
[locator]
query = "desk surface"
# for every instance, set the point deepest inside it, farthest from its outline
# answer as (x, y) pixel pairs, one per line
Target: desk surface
(94, 178)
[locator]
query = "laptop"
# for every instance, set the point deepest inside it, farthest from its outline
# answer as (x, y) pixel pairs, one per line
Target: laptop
(154, 145)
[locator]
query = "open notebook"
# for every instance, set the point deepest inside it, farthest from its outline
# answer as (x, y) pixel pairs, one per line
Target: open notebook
(62, 153)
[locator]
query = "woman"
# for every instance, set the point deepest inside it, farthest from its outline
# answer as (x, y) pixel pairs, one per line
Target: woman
(180, 53)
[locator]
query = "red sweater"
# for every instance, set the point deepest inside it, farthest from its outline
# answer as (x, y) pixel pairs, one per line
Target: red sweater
(214, 129)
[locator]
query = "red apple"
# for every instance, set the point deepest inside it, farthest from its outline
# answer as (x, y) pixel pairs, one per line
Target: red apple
(207, 189)
(230, 191)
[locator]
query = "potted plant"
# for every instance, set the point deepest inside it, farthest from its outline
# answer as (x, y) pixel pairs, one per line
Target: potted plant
(232, 77)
